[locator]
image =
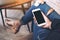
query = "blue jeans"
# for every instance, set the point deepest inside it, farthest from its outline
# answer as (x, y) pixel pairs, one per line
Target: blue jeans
(39, 30)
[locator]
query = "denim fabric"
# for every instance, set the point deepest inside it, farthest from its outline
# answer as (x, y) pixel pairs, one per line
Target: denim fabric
(29, 16)
(39, 30)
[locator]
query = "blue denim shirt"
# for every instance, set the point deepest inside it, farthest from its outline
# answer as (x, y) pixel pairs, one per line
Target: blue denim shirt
(44, 8)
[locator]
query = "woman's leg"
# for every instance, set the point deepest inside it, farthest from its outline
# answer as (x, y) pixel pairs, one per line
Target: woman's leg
(44, 32)
(37, 30)
(40, 32)
(54, 15)
(28, 15)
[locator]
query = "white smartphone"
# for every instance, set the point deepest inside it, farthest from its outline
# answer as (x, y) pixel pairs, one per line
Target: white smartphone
(38, 15)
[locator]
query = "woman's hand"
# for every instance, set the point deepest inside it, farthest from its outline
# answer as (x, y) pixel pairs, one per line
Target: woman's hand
(13, 24)
(48, 22)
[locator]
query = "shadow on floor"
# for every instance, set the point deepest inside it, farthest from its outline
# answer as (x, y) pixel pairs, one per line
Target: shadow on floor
(4, 35)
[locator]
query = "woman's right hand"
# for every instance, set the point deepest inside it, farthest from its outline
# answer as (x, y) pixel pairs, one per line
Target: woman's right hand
(48, 22)
(13, 24)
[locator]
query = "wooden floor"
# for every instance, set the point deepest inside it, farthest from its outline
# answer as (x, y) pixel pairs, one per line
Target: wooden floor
(23, 34)
(8, 35)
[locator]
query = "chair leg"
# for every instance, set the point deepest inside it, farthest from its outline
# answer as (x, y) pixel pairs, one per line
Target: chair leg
(24, 14)
(32, 26)
(28, 27)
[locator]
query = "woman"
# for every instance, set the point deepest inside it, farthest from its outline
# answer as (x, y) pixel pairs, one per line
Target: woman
(43, 31)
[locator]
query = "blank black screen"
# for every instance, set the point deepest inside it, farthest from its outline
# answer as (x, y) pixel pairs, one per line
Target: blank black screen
(39, 17)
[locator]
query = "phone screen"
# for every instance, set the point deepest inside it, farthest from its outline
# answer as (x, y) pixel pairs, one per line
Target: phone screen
(39, 17)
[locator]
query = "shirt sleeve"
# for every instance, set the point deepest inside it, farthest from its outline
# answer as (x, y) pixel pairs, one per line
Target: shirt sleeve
(26, 18)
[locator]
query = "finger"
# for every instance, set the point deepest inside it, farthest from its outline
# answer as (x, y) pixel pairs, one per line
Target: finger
(9, 23)
(46, 26)
(46, 18)
(8, 19)
(35, 19)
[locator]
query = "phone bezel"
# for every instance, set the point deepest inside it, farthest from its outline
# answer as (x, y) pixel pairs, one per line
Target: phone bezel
(36, 19)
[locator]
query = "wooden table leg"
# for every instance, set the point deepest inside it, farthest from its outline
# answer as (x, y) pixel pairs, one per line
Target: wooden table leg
(5, 13)
(23, 9)
(2, 17)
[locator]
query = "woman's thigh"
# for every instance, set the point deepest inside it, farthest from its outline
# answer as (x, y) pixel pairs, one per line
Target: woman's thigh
(41, 32)
(54, 15)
